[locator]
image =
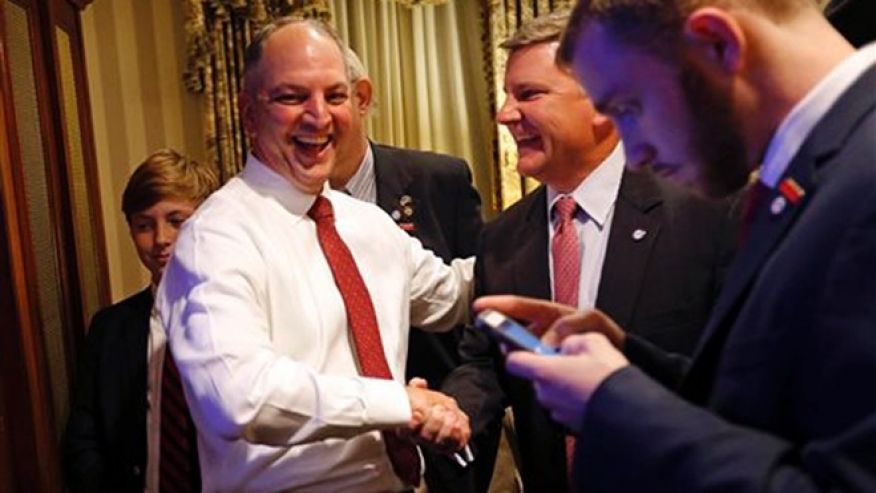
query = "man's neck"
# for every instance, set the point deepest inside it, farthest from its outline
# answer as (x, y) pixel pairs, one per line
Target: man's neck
(347, 166)
(587, 163)
(791, 62)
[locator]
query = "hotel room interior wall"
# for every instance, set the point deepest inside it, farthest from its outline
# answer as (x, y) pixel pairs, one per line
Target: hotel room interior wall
(135, 55)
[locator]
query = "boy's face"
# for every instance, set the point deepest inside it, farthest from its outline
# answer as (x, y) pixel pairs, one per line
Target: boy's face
(154, 232)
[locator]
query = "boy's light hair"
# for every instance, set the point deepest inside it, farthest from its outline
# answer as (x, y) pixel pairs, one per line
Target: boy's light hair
(166, 174)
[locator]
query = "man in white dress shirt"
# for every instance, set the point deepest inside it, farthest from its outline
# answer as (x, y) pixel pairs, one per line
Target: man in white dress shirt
(256, 321)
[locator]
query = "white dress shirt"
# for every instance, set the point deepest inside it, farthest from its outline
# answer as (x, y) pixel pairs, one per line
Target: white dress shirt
(595, 196)
(261, 339)
(795, 128)
(363, 183)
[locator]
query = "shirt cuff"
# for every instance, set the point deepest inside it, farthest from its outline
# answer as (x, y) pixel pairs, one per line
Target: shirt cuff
(387, 402)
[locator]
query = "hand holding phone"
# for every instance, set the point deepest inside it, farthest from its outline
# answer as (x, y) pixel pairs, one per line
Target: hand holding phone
(506, 331)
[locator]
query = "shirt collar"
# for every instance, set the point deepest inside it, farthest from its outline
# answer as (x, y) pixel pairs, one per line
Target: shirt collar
(795, 128)
(268, 182)
(597, 193)
(363, 179)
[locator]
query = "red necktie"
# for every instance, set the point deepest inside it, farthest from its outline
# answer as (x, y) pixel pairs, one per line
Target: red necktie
(754, 197)
(363, 327)
(566, 253)
(178, 453)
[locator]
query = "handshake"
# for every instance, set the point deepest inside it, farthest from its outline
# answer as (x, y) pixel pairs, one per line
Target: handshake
(437, 422)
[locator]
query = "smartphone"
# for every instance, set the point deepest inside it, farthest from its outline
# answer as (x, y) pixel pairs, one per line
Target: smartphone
(511, 333)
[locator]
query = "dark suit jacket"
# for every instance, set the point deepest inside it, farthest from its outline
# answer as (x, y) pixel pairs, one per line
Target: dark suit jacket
(445, 215)
(780, 393)
(446, 218)
(661, 286)
(105, 442)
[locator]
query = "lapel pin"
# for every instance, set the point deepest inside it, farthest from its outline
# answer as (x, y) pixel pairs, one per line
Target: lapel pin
(778, 205)
(396, 215)
(639, 234)
(405, 200)
(791, 190)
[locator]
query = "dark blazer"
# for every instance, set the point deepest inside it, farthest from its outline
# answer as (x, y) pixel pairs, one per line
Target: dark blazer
(431, 197)
(445, 215)
(104, 445)
(661, 286)
(780, 393)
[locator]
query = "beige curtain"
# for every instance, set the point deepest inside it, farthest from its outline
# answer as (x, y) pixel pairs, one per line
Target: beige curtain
(427, 64)
(504, 17)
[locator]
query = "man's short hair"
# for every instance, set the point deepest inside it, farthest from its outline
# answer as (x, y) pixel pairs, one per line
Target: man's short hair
(355, 67)
(654, 25)
(167, 175)
(253, 53)
(542, 29)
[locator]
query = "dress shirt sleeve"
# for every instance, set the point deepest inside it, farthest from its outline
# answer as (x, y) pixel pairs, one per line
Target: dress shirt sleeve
(214, 303)
(441, 295)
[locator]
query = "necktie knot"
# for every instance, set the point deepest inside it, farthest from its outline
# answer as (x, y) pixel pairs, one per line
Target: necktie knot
(565, 209)
(321, 210)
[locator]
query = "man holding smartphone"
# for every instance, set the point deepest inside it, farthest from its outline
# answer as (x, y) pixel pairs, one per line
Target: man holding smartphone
(593, 234)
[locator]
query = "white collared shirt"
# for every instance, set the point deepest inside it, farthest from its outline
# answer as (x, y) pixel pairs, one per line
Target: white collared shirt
(795, 128)
(596, 196)
(260, 335)
(363, 183)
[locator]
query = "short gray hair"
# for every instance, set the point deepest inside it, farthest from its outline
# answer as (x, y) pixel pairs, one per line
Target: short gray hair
(355, 68)
(254, 49)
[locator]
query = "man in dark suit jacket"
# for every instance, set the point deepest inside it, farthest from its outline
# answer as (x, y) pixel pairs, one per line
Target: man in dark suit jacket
(105, 443)
(430, 196)
(664, 249)
(778, 396)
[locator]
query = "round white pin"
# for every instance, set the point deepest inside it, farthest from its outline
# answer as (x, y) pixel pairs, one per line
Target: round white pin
(778, 205)
(639, 234)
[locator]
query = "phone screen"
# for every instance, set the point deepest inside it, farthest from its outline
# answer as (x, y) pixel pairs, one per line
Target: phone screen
(511, 333)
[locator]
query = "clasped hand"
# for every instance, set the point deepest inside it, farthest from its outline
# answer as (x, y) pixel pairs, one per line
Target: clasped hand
(436, 420)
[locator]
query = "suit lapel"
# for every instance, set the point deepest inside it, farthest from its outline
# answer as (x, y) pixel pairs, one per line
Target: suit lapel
(771, 221)
(530, 267)
(392, 179)
(137, 336)
(626, 257)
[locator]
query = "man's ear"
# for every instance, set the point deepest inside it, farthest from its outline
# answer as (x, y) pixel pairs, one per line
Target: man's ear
(714, 37)
(363, 92)
(602, 127)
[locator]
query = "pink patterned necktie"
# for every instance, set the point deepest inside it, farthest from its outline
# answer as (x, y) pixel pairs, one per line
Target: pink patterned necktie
(566, 253)
(363, 327)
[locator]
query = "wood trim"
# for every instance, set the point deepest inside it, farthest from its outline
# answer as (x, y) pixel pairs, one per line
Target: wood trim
(25, 386)
(79, 4)
(69, 20)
